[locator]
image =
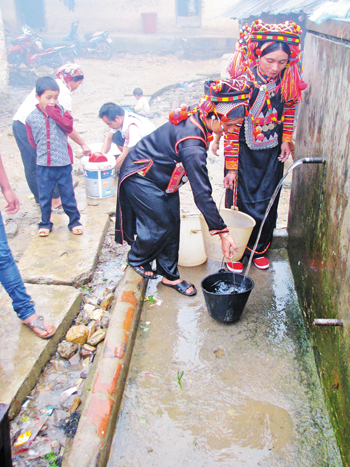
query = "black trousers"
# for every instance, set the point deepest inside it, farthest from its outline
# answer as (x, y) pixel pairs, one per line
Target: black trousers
(156, 223)
(28, 154)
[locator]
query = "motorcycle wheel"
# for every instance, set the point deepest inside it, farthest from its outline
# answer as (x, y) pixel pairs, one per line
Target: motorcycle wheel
(103, 50)
(60, 59)
(15, 58)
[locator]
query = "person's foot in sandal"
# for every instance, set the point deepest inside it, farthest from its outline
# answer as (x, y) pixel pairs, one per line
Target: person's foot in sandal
(181, 286)
(77, 230)
(145, 271)
(44, 232)
(40, 326)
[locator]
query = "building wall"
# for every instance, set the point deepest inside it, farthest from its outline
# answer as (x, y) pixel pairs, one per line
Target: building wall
(122, 16)
(319, 220)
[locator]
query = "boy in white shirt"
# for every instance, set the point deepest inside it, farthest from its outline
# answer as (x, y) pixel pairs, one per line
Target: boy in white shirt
(142, 106)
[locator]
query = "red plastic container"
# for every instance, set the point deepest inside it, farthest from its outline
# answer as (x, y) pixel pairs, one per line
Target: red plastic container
(149, 21)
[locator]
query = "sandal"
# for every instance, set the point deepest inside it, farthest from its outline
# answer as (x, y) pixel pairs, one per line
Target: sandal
(141, 270)
(44, 232)
(38, 323)
(182, 287)
(77, 230)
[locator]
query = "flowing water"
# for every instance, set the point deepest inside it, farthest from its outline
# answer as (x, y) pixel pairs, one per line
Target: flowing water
(206, 394)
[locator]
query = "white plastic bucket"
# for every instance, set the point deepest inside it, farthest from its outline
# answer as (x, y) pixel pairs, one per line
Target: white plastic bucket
(191, 252)
(99, 177)
(240, 227)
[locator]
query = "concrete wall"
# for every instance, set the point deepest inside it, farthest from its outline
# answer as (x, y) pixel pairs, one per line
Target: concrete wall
(122, 16)
(319, 219)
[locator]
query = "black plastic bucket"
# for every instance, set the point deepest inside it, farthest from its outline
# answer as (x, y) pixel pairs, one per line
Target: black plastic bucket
(226, 308)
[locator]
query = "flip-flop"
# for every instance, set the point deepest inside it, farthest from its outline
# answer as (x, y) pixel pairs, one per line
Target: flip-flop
(39, 324)
(44, 232)
(182, 287)
(77, 230)
(141, 270)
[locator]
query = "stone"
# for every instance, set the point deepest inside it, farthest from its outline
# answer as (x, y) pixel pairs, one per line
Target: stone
(75, 359)
(77, 334)
(88, 308)
(66, 349)
(75, 404)
(90, 348)
(97, 314)
(97, 337)
(86, 353)
(104, 321)
(92, 301)
(82, 318)
(92, 329)
(11, 230)
(107, 302)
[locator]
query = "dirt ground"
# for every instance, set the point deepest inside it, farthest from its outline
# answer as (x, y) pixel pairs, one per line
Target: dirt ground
(112, 81)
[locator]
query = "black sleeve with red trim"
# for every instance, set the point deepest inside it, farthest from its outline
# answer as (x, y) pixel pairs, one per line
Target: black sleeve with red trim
(193, 155)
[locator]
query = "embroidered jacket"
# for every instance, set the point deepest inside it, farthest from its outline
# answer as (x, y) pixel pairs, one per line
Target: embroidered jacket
(169, 157)
(261, 130)
(48, 135)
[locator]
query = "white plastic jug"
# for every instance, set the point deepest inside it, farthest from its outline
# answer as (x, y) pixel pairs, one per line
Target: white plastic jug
(191, 252)
(240, 227)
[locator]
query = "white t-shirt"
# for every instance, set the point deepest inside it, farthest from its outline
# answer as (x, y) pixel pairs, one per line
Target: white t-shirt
(142, 106)
(134, 128)
(29, 103)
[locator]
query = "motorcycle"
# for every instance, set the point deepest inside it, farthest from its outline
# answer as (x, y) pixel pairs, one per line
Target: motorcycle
(30, 49)
(97, 43)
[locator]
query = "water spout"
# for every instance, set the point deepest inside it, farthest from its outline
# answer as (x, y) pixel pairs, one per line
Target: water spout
(305, 160)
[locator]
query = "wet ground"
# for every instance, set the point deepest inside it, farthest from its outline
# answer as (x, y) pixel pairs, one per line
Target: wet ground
(204, 393)
(111, 81)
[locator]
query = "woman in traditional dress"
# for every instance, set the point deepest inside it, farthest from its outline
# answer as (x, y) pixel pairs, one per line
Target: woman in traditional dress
(269, 55)
(148, 199)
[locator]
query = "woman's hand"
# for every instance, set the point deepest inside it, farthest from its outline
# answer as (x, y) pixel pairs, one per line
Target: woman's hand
(229, 180)
(287, 149)
(227, 245)
(215, 147)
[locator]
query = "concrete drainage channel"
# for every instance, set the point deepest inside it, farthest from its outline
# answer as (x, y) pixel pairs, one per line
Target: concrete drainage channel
(48, 417)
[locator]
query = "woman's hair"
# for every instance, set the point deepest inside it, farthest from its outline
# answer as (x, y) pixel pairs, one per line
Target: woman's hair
(45, 83)
(238, 112)
(273, 47)
(78, 78)
(110, 111)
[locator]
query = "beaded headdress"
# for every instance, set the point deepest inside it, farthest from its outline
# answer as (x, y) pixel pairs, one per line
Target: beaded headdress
(225, 96)
(255, 39)
(222, 98)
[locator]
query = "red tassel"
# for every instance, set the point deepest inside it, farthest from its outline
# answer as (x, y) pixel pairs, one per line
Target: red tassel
(292, 84)
(234, 65)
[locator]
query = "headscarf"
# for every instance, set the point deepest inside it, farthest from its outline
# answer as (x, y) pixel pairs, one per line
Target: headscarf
(67, 72)
(255, 39)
